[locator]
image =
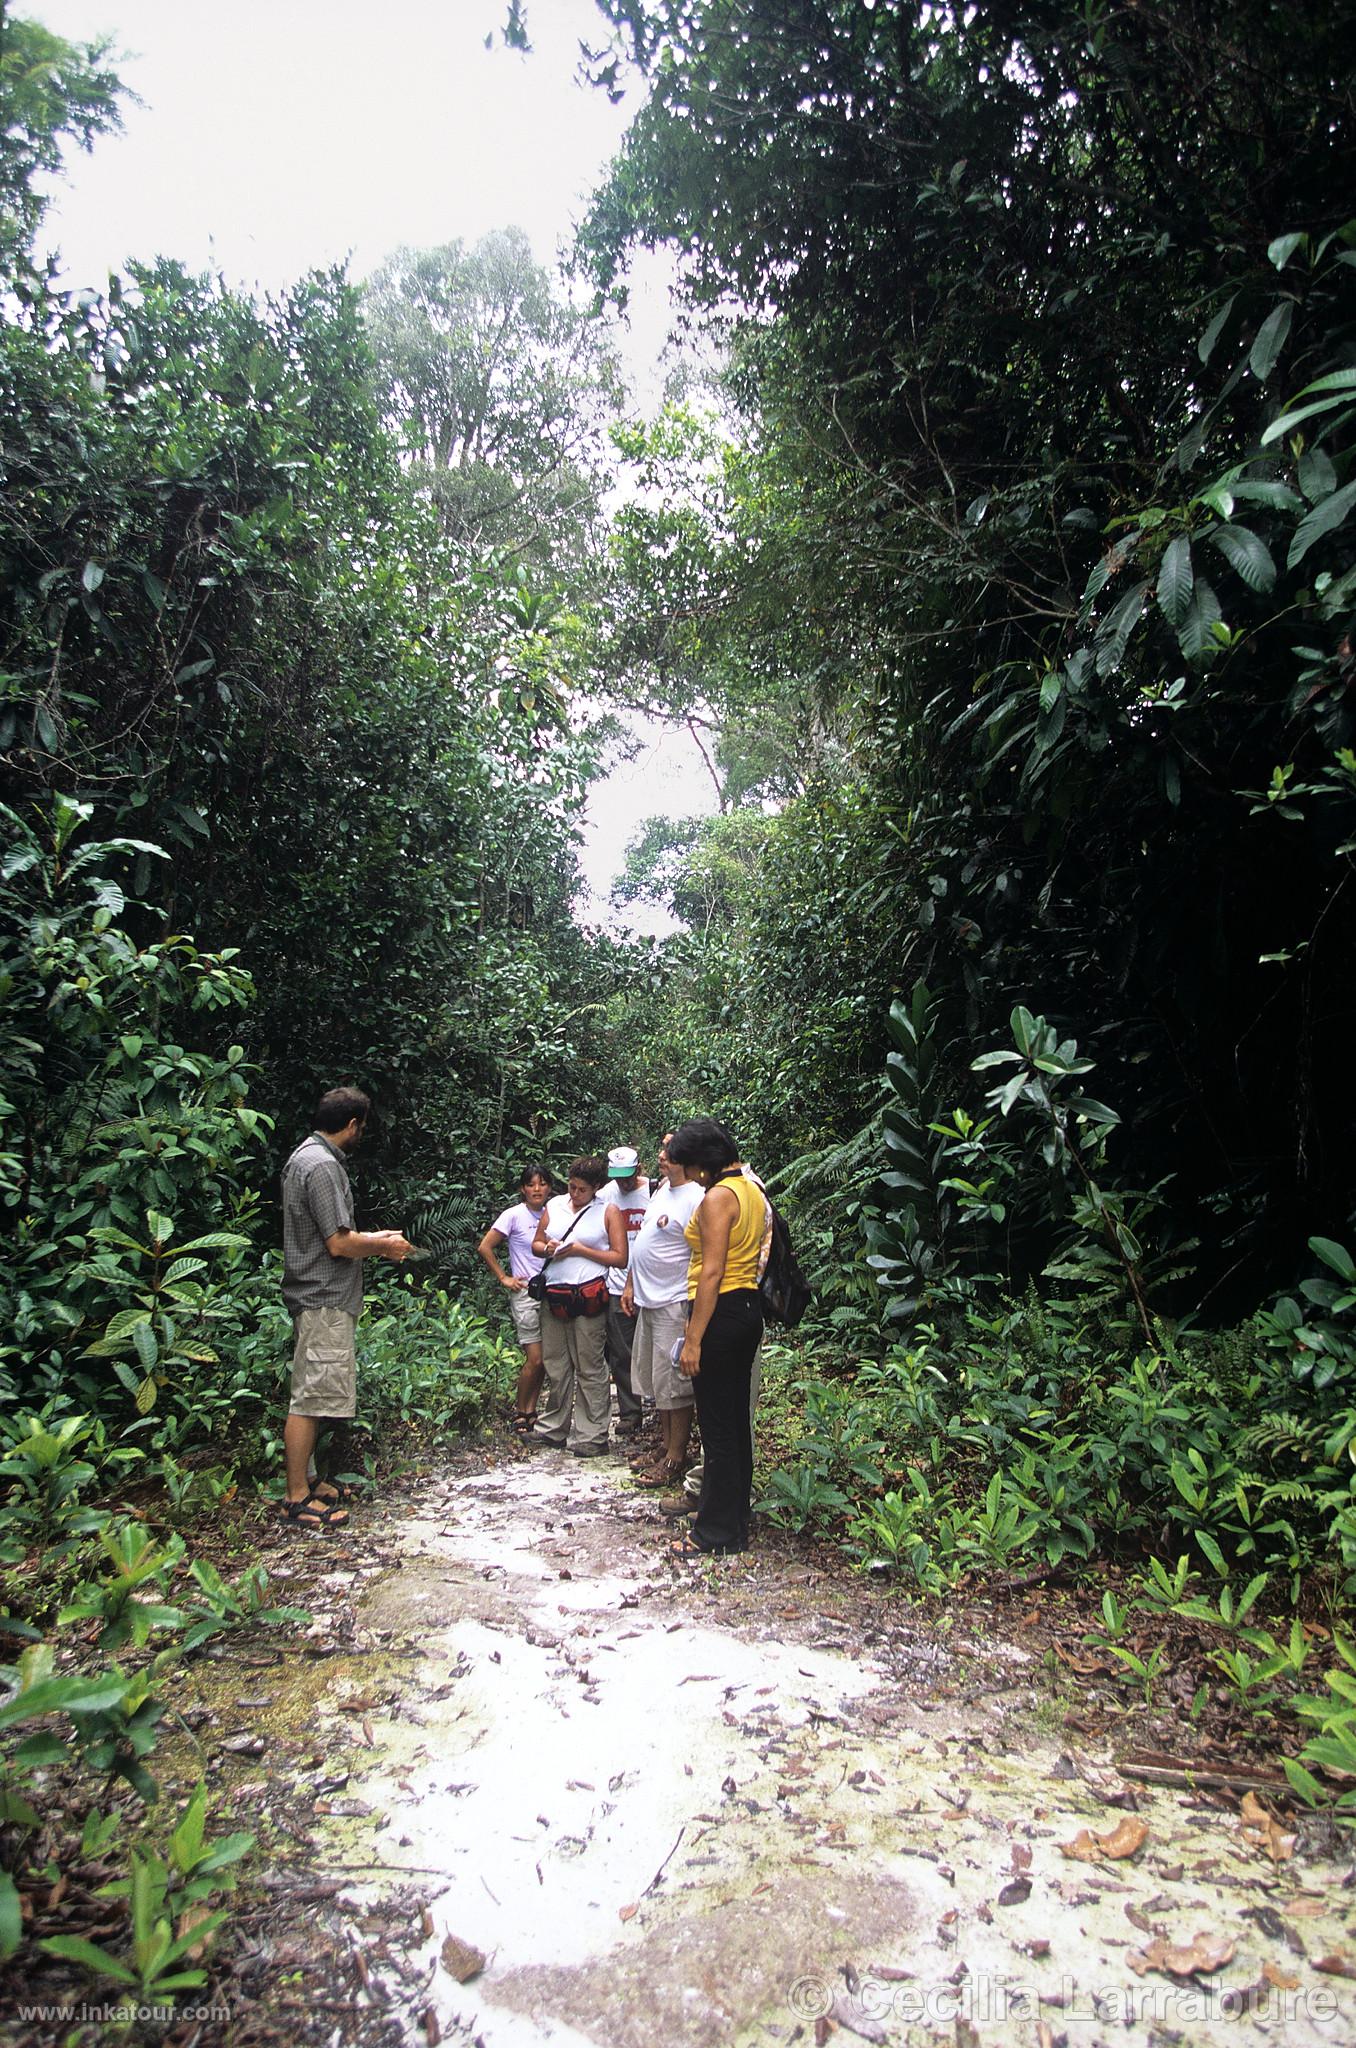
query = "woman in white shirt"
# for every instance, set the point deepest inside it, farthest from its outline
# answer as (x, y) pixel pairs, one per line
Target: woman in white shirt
(580, 1235)
(656, 1294)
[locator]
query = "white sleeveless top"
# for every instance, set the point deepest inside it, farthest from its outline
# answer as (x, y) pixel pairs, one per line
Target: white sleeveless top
(565, 1270)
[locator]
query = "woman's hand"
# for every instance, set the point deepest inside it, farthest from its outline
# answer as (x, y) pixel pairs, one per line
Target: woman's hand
(690, 1358)
(515, 1283)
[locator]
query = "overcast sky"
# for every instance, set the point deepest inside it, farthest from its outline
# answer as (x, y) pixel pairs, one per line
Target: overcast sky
(279, 135)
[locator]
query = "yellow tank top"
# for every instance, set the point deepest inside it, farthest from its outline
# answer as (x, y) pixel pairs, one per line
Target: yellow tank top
(746, 1239)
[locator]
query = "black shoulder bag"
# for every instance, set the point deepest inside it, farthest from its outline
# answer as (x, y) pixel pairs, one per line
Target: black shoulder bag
(536, 1286)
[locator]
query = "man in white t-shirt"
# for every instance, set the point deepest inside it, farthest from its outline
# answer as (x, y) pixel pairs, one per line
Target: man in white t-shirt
(629, 1190)
(656, 1289)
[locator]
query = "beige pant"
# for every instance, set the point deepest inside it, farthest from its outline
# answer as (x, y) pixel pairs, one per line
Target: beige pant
(324, 1370)
(574, 1403)
(653, 1372)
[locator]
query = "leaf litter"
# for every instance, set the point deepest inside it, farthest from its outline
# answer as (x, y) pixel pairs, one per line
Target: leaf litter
(686, 1895)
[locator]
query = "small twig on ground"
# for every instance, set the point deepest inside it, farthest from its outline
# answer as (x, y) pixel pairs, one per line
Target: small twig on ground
(664, 1865)
(1189, 1777)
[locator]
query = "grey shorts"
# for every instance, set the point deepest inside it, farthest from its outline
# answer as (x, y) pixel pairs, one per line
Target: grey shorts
(652, 1368)
(324, 1370)
(526, 1315)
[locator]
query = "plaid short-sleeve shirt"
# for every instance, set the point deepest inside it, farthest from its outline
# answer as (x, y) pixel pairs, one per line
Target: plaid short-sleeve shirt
(316, 1202)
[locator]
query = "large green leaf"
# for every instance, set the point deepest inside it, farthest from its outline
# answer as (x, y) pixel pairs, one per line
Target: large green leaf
(1271, 339)
(1115, 633)
(11, 1917)
(1175, 579)
(1324, 518)
(1246, 553)
(1196, 634)
(1205, 347)
(147, 1345)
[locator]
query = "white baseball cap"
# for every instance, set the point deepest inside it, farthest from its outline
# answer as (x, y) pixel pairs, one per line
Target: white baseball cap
(622, 1162)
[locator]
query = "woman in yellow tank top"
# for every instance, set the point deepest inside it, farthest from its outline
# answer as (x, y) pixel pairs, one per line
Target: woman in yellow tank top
(725, 1324)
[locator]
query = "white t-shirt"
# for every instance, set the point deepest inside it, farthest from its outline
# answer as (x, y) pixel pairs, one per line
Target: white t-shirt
(659, 1251)
(565, 1270)
(632, 1205)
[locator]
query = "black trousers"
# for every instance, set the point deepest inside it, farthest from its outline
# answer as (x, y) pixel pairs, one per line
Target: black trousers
(722, 1391)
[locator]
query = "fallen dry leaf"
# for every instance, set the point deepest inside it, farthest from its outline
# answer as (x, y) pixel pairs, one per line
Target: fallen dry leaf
(1264, 1831)
(191, 1917)
(1204, 1954)
(1272, 1973)
(1016, 1892)
(1125, 1839)
(628, 1912)
(460, 1960)
(1021, 1856)
(1336, 1966)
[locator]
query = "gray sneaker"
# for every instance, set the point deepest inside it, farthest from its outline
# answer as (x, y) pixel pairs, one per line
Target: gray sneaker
(589, 1450)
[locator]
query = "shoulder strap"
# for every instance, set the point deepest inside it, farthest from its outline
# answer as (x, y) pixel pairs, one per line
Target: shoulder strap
(564, 1234)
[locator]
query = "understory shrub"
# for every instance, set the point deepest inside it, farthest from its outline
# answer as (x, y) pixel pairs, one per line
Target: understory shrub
(1032, 1429)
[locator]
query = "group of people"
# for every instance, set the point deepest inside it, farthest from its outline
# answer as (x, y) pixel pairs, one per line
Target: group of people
(654, 1289)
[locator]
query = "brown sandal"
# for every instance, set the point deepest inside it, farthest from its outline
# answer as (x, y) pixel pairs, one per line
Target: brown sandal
(669, 1473)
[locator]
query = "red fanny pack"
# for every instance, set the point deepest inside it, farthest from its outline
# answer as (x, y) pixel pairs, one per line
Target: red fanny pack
(587, 1299)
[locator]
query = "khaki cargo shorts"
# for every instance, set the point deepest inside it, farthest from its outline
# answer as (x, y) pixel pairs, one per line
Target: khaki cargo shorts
(324, 1370)
(526, 1315)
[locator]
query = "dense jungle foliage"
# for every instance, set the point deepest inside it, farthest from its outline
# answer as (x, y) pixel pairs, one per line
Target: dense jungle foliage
(1004, 567)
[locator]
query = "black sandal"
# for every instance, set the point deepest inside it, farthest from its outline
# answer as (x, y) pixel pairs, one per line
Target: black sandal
(312, 1513)
(523, 1425)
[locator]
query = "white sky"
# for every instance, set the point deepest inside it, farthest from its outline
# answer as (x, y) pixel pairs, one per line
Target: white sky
(276, 136)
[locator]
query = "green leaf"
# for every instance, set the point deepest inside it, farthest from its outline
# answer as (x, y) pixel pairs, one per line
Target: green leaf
(64, 1695)
(11, 1918)
(1304, 1783)
(1283, 248)
(1323, 519)
(1175, 580)
(1335, 380)
(1196, 635)
(183, 1269)
(186, 1841)
(1120, 623)
(124, 1322)
(1317, 477)
(1287, 420)
(1250, 556)
(91, 577)
(1335, 1255)
(72, 1949)
(147, 1347)
(1095, 1112)
(1270, 340)
(1205, 347)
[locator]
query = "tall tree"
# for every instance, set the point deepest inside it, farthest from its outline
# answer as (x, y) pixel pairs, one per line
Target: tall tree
(500, 392)
(51, 93)
(1094, 567)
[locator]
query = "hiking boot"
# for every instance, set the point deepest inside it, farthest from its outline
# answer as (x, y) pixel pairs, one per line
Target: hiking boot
(675, 1504)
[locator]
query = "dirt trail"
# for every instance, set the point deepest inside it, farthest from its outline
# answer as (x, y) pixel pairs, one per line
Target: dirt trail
(699, 1807)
